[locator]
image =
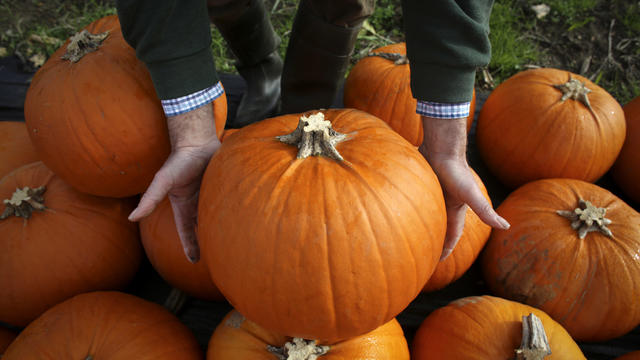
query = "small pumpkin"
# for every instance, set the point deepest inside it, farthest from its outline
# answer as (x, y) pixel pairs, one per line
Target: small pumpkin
(488, 327)
(474, 236)
(105, 325)
(572, 251)
(15, 146)
(237, 338)
(322, 247)
(94, 116)
(626, 170)
(6, 338)
(164, 250)
(380, 85)
(56, 242)
(549, 123)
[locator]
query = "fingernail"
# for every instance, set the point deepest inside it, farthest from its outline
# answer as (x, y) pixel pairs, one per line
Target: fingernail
(445, 254)
(504, 223)
(133, 214)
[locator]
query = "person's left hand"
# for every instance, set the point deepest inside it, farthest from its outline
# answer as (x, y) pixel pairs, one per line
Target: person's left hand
(444, 147)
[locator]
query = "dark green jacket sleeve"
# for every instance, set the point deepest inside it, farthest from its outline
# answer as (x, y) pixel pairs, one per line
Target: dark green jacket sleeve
(447, 40)
(172, 37)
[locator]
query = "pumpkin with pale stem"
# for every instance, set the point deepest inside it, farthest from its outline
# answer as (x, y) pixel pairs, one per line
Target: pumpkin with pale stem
(56, 242)
(94, 116)
(105, 325)
(474, 236)
(573, 251)
(237, 338)
(15, 147)
(380, 85)
(626, 170)
(487, 327)
(322, 226)
(164, 250)
(6, 338)
(549, 123)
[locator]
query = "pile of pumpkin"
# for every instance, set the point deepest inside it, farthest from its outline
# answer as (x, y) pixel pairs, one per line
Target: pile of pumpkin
(318, 228)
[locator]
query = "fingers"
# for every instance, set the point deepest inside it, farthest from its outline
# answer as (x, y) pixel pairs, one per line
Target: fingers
(184, 213)
(455, 225)
(156, 191)
(481, 206)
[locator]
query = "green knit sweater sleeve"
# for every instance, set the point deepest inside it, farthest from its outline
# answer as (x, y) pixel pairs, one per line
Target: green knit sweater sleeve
(172, 37)
(447, 40)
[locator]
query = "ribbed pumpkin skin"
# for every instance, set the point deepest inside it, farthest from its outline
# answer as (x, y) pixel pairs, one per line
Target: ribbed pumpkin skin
(485, 327)
(237, 338)
(164, 250)
(15, 147)
(626, 170)
(314, 248)
(382, 88)
(98, 123)
(589, 285)
(525, 132)
(474, 236)
(80, 243)
(105, 325)
(635, 355)
(6, 338)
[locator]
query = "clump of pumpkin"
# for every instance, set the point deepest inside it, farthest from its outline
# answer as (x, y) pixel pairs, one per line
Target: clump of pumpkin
(15, 147)
(549, 123)
(626, 170)
(380, 85)
(6, 338)
(488, 327)
(57, 242)
(105, 325)
(572, 251)
(104, 135)
(323, 247)
(241, 339)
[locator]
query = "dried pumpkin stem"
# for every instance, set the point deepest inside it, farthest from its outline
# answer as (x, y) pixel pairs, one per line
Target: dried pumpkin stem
(576, 90)
(175, 301)
(299, 349)
(314, 136)
(23, 202)
(534, 345)
(83, 43)
(397, 58)
(587, 218)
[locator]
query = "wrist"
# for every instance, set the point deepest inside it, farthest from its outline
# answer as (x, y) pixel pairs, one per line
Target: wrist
(193, 129)
(444, 139)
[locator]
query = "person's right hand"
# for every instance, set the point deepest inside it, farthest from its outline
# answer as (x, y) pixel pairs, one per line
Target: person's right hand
(193, 142)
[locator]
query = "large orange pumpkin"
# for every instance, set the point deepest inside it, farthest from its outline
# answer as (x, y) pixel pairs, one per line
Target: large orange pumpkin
(164, 250)
(15, 146)
(105, 325)
(626, 170)
(96, 120)
(474, 236)
(237, 338)
(62, 244)
(573, 251)
(6, 338)
(321, 247)
(548, 123)
(486, 327)
(380, 85)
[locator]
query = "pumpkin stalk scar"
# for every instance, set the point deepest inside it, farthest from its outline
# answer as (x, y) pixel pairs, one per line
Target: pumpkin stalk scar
(397, 58)
(299, 349)
(534, 345)
(314, 136)
(587, 218)
(83, 43)
(23, 202)
(574, 89)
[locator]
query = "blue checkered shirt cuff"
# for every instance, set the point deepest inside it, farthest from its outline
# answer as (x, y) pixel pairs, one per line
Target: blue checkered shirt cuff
(443, 110)
(181, 105)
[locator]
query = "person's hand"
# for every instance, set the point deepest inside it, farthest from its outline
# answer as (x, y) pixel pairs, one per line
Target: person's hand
(193, 142)
(444, 147)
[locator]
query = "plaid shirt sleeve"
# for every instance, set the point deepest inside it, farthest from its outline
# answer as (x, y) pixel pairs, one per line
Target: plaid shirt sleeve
(443, 110)
(181, 105)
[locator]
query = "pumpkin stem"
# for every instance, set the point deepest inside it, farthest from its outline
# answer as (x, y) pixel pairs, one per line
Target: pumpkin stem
(83, 43)
(175, 301)
(534, 345)
(23, 202)
(298, 349)
(314, 136)
(587, 218)
(576, 90)
(397, 58)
